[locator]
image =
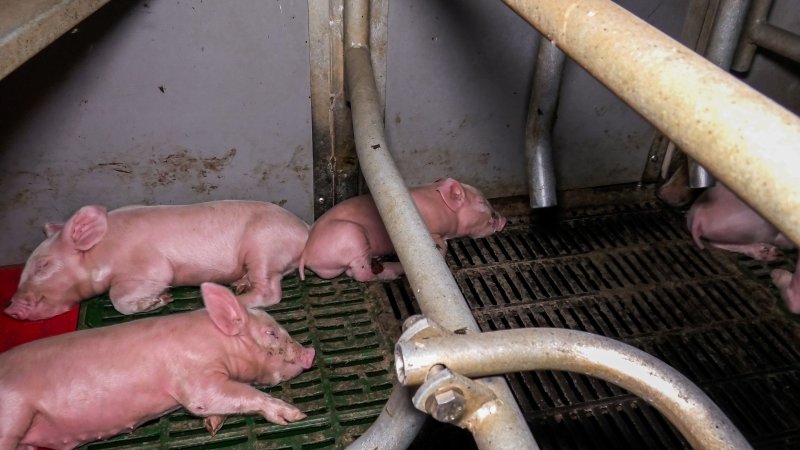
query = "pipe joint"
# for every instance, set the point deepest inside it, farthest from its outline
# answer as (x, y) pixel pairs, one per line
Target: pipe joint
(452, 398)
(416, 329)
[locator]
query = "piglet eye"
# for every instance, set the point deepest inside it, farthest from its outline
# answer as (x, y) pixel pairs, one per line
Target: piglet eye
(271, 333)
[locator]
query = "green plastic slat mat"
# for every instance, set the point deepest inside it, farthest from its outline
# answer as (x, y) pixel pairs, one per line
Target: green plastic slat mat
(342, 394)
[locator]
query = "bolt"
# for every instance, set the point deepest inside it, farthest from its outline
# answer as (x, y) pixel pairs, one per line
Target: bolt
(447, 406)
(321, 200)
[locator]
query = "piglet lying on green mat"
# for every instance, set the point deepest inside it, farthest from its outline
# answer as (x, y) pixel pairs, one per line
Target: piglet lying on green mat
(139, 251)
(62, 391)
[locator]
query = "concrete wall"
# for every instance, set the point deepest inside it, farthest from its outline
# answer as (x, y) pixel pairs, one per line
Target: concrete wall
(158, 101)
(458, 86)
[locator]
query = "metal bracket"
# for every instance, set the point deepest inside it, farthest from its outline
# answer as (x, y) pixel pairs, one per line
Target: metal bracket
(453, 398)
(445, 395)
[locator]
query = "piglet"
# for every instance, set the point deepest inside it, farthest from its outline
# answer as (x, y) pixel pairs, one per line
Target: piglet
(63, 391)
(722, 219)
(137, 252)
(348, 237)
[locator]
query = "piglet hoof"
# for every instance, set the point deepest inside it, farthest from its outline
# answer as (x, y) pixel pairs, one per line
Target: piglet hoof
(164, 298)
(282, 413)
(783, 280)
(241, 286)
(768, 252)
(213, 424)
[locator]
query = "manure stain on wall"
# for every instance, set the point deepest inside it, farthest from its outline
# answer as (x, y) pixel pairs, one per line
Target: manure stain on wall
(186, 168)
(180, 167)
(298, 168)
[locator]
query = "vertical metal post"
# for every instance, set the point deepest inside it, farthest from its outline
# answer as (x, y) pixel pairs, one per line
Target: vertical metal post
(539, 125)
(721, 47)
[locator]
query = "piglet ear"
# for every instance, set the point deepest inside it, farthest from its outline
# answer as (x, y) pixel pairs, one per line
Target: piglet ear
(86, 227)
(52, 228)
(452, 192)
(225, 311)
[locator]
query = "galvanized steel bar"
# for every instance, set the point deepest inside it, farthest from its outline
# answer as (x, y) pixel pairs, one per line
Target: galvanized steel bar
(778, 40)
(747, 141)
(434, 286)
(396, 427)
(722, 44)
(759, 33)
(539, 125)
(687, 407)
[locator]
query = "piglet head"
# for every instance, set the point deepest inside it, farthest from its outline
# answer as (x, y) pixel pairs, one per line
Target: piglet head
(279, 357)
(54, 278)
(476, 217)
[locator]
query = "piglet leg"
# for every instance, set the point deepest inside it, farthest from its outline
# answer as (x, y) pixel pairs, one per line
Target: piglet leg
(133, 296)
(758, 251)
(225, 397)
(13, 427)
(789, 287)
(263, 288)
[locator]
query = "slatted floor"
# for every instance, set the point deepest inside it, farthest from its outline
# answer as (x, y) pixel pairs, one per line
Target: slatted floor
(630, 273)
(627, 272)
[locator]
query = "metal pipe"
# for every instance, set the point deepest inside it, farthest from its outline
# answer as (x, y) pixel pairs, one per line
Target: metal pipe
(539, 125)
(725, 33)
(434, 287)
(722, 44)
(689, 409)
(778, 40)
(759, 33)
(746, 140)
(699, 177)
(396, 427)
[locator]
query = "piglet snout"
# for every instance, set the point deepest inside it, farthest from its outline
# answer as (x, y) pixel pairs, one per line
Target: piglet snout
(501, 223)
(307, 358)
(16, 311)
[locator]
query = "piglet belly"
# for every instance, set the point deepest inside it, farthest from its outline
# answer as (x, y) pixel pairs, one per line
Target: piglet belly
(191, 270)
(72, 430)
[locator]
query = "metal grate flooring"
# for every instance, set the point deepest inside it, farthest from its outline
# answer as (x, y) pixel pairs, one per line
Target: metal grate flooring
(627, 272)
(632, 274)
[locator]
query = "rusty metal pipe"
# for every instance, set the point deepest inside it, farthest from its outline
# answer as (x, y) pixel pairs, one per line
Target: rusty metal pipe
(746, 140)
(689, 409)
(435, 288)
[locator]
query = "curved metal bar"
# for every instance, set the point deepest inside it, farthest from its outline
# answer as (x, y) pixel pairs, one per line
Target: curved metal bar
(492, 353)
(396, 427)
(433, 284)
